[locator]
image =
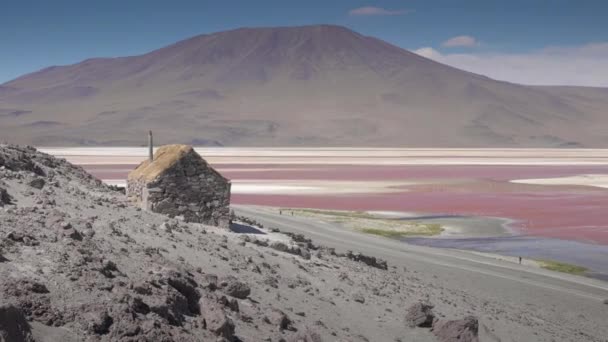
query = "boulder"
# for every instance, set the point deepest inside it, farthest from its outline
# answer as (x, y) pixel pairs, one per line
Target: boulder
(37, 183)
(420, 315)
(171, 305)
(187, 287)
(138, 305)
(305, 253)
(99, 322)
(279, 246)
(358, 297)
(15, 236)
(70, 232)
(462, 330)
(5, 198)
(13, 325)
(232, 304)
(368, 260)
(233, 287)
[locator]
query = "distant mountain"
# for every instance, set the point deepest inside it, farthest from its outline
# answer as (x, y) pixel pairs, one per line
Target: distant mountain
(288, 86)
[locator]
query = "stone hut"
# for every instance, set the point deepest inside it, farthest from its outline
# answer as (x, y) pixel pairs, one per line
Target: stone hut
(177, 182)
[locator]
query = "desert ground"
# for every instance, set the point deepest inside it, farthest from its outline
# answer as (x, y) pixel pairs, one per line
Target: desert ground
(520, 202)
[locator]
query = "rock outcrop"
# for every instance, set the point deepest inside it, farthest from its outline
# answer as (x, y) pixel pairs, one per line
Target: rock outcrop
(462, 330)
(368, 260)
(420, 315)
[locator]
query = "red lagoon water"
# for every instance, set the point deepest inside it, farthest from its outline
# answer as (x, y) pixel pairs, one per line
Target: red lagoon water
(573, 213)
(567, 216)
(359, 172)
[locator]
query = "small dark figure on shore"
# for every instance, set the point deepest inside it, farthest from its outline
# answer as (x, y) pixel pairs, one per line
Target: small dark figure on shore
(520, 260)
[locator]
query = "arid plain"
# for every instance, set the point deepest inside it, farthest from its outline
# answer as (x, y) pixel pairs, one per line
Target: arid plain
(535, 203)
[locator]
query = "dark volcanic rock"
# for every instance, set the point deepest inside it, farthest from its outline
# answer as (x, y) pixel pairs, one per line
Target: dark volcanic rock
(13, 325)
(108, 269)
(279, 246)
(462, 330)
(368, 260)
(18, 158)
(305, 253)
(420, 315)
(296, 250)
(37, 183)
(358, 297)
(27, 159)
(32, 298)
(72, 233)
(15, 236)
(187, 287)
(214, 317)
(233, 287)
(100, 322)
(5, 198)
(139, 306)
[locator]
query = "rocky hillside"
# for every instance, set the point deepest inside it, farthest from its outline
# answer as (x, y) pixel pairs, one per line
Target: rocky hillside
(317, 85)
(78, 263)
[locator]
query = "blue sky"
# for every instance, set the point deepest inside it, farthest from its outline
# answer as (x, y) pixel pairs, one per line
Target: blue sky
(503, 39)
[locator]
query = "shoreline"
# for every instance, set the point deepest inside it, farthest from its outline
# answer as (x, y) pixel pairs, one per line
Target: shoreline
(587, 180)
(501, 234)
(454, 226)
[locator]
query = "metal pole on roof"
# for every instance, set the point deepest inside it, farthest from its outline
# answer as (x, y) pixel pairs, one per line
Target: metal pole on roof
(150, 147)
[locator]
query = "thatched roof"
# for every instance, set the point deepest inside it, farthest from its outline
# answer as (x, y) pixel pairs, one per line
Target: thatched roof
(165, 157)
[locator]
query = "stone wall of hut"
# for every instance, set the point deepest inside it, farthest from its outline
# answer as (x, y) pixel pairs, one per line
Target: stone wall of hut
(190, 189)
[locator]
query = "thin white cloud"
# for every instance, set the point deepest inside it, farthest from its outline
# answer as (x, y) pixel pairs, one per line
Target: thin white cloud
(430, 53)
(371, 10)
(460, 41)
(585, 65)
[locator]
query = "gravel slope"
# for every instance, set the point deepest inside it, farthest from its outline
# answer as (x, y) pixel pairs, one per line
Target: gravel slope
(544, 305)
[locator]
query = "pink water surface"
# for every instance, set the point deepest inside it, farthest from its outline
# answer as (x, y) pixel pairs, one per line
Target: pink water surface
(574, 213)
(559, 215)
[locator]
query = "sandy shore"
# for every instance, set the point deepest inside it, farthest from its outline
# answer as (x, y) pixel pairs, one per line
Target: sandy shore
(452, 226)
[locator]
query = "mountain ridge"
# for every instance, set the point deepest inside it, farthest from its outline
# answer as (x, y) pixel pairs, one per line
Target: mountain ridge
(315, 85)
